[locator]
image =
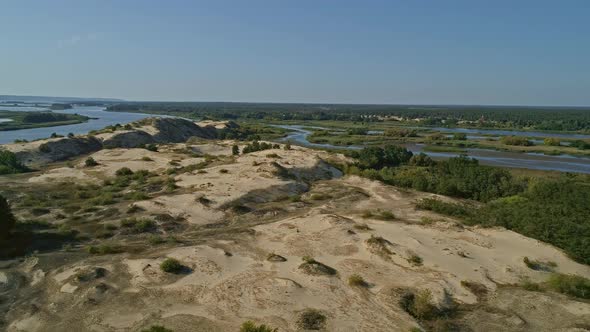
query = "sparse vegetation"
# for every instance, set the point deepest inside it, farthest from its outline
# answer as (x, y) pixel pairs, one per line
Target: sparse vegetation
(570, 284)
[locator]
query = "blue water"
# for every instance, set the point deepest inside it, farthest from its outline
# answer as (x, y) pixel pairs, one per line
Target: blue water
(563, 163)
(101, 120)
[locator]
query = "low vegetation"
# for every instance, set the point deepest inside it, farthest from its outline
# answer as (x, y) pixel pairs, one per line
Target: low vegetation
(250, 326)
(171, 265)
(311, 319)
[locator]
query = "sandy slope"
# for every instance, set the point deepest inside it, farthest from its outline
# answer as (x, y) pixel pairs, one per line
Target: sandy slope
(228, 278)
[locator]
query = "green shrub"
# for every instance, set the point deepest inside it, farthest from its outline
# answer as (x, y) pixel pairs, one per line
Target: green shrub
(146, 158)
(124, 171)
(171, 265)
(90, 162)
(250, 326)
(235, 150)
(9, 163)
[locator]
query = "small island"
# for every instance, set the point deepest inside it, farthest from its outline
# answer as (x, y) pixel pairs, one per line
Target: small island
(27, 120)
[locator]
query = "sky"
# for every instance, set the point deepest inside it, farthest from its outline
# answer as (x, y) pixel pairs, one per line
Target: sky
(526, 52)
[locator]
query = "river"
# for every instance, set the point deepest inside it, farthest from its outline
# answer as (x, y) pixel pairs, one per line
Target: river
(100, 119)
(563, 163)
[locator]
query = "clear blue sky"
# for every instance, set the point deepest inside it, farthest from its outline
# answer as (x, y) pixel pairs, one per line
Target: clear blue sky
(531, 52)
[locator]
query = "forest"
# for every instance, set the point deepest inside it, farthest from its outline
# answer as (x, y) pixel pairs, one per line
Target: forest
(507, 117)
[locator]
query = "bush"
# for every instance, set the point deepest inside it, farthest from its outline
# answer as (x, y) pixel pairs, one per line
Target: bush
(250, 326)
(171, 265)
(552, 141)
(235, 150)
(9, 164)
(256, 146)
(124, 171)
(419, 305)
(311, 319)
(515, 140)
(146, 158)
(151, 147)
(90, 162)
(414, 259)
(7, 219)
(460, 136)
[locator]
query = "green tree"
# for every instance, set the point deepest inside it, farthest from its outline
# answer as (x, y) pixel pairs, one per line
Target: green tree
(235, 150)
(7, 220)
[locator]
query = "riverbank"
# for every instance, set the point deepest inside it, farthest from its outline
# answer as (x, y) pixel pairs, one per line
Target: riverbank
(28, 120)
(535, 161)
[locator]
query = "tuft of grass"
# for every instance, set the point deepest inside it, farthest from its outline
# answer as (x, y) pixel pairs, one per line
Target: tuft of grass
(356, 280)
(531, 286)
(223, 171)
(171, 265)
(250, 326)
(146, 158)
(273, 155)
